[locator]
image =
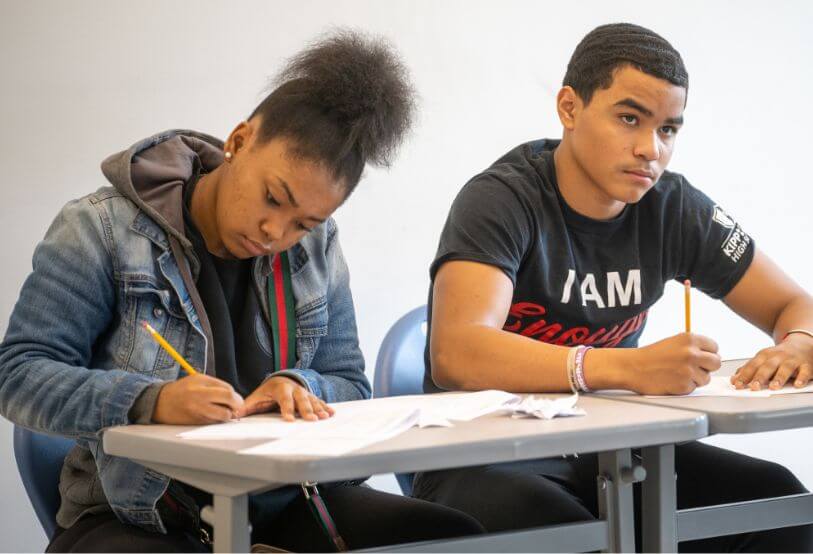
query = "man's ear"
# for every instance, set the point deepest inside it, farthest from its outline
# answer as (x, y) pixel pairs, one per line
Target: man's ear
(568, 105)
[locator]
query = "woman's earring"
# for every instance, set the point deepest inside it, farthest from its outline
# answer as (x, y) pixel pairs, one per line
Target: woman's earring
(228, 156)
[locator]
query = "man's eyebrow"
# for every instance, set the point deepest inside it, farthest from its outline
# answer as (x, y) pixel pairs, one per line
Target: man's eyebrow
(630, 103)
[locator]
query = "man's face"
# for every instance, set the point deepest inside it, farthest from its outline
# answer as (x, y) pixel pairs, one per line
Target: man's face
(271, 198)
(623, 139)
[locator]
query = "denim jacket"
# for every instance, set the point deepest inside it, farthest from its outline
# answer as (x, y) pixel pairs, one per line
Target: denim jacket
(75, 359)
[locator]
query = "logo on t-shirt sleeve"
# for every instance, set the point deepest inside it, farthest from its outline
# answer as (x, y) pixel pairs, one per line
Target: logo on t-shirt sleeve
(723, 218)
(736, 241)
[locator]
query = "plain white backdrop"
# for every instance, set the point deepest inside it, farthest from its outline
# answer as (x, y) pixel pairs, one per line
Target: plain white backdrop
(81, 80)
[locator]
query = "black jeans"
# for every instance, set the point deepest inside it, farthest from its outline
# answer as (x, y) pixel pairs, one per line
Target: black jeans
(364, 517)
(563, 490)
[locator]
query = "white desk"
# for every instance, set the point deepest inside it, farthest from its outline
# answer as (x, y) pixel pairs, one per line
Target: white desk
(610, 427)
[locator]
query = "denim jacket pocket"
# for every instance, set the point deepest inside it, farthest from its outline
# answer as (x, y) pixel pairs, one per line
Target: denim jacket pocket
(311, 318)
(311, 326)
(147, 303)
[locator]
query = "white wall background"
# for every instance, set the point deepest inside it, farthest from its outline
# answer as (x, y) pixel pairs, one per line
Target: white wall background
(83, 79)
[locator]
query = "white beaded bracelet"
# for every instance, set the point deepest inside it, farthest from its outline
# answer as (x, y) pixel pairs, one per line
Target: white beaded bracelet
(579, 370)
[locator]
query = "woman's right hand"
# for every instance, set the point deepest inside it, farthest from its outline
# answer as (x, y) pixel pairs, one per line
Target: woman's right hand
(676, 365)
(196, 400)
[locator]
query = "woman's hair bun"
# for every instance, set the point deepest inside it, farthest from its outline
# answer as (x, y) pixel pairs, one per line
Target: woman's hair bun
(350, 85)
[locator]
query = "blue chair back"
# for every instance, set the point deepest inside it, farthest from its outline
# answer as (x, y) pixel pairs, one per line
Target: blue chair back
(39, 460)
(399, 368)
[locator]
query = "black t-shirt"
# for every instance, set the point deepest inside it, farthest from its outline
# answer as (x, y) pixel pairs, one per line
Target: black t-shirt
(578, 280)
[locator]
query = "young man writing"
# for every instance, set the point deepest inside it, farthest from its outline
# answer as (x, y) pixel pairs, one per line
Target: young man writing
(562, 246)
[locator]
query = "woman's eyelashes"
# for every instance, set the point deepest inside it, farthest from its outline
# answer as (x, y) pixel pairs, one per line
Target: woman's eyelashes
(273, 202)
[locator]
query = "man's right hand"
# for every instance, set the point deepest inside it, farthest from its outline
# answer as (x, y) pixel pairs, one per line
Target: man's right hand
(196, 400)
(676, 365)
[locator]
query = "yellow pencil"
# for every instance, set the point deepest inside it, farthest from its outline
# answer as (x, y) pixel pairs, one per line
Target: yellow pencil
(687, 300)
(168, 347)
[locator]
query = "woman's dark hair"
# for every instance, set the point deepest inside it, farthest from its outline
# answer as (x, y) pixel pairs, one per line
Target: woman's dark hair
(344, 101)
(608, 47)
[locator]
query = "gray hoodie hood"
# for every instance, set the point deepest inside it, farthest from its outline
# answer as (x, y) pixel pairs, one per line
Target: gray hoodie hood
(152, 173)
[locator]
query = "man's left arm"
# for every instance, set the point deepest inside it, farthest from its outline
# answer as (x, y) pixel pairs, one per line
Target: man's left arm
(770, 300)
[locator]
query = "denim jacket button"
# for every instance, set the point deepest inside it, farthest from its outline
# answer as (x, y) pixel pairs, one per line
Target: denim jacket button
(158, 312)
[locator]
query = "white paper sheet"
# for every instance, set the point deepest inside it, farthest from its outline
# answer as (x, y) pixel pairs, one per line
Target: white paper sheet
(360, 423)
(548, 408)
(258, 427)
(351, 420)
(463, 406)
(720, 385)
(790, 389)
(729, 367)
(441, 410)
(467, 406)
(343, 437)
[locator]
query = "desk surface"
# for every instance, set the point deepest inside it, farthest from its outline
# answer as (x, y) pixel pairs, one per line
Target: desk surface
(728, 414)
(608, 425)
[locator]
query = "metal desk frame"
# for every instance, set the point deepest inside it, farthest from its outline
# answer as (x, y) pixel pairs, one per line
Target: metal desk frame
(663, 526)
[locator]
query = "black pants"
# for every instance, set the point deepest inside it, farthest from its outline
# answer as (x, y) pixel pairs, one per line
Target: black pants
(563, 490)
(364, 517)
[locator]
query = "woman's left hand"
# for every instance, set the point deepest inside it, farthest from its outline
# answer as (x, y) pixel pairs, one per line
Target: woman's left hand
(773, 367)
(291, 398)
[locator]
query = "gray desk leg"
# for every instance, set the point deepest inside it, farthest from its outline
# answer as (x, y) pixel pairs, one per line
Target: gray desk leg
(615, 498)
(231, 523)
(659, 500)
(229, 515)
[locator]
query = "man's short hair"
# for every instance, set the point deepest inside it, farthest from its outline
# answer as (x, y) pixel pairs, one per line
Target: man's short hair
(608, 47)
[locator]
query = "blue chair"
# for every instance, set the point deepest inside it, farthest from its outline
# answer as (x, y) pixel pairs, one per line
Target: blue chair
(39, 460)
(399, 368)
